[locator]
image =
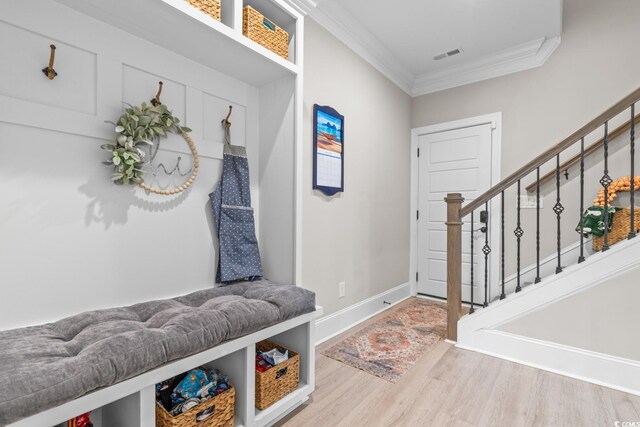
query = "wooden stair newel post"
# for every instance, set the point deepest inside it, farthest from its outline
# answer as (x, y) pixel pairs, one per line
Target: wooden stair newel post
(454, 263)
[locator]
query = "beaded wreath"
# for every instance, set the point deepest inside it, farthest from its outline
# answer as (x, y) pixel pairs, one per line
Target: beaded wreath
(138, 127)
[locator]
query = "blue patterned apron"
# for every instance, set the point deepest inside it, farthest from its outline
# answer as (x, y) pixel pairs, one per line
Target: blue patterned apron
(233, 215)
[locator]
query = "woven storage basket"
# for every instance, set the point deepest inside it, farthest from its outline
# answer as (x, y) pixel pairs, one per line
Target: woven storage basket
(262, 31)
(210, 7)
(275, 383)
(620, 226)
(223, 411)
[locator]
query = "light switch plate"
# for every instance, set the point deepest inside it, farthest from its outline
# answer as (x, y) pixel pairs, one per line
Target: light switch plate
(528, 201)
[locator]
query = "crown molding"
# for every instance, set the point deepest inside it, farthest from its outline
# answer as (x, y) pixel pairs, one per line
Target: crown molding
(336, 19)
(361, 41)
(303, 6)
(518, 58)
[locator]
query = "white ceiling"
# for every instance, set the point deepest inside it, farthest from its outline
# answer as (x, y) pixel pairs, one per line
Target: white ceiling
(401, 37)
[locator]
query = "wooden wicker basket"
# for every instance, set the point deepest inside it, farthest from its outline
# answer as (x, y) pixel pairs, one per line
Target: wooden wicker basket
(275, 383)
(210, 7)
(222, 407)
(262, 31)
(620, 226)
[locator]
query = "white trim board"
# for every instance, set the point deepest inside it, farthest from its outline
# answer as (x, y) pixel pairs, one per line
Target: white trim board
(596, 368)
(495, 119)
(336, 323)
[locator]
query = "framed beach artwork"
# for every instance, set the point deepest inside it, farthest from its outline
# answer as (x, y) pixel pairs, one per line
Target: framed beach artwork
(328, 150)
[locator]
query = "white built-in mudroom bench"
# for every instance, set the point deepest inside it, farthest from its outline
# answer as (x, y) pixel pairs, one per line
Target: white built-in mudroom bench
(72, 241)
(132, 403)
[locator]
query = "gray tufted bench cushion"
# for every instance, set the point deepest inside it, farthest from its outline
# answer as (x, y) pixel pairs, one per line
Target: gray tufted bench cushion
(44, 366)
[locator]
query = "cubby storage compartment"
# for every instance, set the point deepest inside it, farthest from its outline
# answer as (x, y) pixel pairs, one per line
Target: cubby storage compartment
(209, 411)
(210, 7)
(125, 412)
(278, 381)
(272, 21)
(265, 32)
(297, 338)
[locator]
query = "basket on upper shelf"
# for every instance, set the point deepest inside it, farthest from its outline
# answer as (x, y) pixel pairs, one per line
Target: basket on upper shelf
(210, 7)
(264, 32)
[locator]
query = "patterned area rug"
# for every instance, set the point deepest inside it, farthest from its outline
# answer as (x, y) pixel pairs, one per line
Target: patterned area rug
(389, 347)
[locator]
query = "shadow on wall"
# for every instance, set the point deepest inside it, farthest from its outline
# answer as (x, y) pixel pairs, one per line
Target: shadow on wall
(326, 198)
(110, 204)
(208, 212)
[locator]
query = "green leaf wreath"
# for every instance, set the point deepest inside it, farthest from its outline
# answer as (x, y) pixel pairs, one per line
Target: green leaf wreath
(138, 127)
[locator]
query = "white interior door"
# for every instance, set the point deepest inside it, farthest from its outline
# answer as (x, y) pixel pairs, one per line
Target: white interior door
(454, 161)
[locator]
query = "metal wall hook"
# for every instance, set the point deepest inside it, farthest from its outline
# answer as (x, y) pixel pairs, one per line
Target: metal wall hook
(156, 100)
(49, 71)
(226, 121)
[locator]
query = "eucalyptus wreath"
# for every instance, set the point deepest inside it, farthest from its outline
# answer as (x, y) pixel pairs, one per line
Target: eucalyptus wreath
(136, 128)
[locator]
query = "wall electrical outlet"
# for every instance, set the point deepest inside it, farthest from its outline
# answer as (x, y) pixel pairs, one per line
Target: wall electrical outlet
(528, 201)
(342, 289)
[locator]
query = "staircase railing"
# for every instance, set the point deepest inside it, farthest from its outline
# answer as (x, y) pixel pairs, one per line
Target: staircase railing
(456, 212)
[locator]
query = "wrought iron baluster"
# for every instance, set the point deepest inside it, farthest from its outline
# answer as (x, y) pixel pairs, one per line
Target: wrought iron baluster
(537, 279)
(605, 181)
(486, 250)
(502, 295)
(519, 233)
(632, 189)
(471, 309)
(558, 208)
(581, 257)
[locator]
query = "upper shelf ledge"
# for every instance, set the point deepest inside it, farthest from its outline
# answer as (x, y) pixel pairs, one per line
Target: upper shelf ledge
(181, 28)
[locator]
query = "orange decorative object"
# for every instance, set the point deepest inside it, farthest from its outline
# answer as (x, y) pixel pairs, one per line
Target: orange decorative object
(619, 185)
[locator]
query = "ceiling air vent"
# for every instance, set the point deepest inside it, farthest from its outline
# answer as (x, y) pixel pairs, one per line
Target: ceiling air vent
(448, 54)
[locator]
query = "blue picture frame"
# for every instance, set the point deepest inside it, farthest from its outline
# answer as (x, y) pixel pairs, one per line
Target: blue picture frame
(328, 150)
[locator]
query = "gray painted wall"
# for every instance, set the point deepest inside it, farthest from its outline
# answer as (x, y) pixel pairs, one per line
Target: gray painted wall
(360, 236)
(595, 66)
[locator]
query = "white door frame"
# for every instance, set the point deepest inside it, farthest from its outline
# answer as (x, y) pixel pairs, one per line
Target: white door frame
(495, 119)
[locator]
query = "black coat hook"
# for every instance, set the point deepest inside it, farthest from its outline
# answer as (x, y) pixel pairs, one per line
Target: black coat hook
(49, 71)
(156, 100)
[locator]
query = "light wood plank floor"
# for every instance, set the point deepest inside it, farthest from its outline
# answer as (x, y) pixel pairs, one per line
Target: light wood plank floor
(453, 387)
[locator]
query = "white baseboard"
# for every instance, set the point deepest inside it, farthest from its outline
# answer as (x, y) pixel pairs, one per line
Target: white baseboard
(334, 324)
(597, 368)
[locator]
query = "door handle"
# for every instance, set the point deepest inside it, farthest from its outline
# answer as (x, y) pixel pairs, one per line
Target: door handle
(484, 218)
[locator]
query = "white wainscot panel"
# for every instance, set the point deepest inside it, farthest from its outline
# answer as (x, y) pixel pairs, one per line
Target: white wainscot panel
(25, 53)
